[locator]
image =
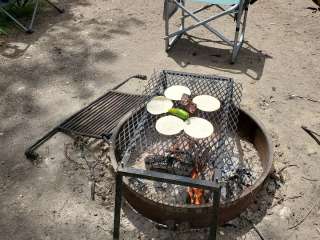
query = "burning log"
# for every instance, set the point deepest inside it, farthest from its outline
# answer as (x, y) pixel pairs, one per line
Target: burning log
(179, 163)
(195, 194)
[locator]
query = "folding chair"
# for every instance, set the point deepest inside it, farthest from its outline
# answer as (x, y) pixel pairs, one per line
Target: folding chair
(22, 3)
(238, 9)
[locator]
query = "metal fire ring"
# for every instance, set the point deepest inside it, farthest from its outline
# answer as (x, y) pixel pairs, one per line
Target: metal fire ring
(249, 128)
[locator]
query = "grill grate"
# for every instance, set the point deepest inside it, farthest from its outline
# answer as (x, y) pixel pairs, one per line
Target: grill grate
(138, 136)
(101, 116)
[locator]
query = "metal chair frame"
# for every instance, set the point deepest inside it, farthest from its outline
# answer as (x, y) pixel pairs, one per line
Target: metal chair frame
(237, 11)
(29, 28)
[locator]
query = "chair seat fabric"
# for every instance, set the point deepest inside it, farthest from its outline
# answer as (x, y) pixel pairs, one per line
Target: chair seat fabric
(220, 2)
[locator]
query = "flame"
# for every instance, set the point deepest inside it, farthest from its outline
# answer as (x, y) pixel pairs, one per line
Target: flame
(195, 194)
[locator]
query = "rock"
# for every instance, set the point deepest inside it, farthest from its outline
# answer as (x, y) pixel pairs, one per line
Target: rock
(271, 188)
(311, 151)
(274, 89)
(285, 213)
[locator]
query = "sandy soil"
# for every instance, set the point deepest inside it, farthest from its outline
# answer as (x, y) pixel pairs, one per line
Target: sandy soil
(73, 58)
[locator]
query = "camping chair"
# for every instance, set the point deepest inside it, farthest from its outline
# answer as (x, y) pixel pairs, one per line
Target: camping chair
(22, 3)
(238, 9)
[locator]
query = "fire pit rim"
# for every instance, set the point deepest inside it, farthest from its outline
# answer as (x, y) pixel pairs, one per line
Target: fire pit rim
(246, 194)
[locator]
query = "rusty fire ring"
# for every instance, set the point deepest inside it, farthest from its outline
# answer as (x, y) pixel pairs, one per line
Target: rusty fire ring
(249, 128)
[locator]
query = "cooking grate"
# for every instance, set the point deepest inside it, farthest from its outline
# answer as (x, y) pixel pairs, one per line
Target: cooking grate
(138, 135)
(101, 116)
(96, 120)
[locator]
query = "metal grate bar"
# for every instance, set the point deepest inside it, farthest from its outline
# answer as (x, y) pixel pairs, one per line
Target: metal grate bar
(92, 119)
(91, 110)
(107, 122)
(101, 116)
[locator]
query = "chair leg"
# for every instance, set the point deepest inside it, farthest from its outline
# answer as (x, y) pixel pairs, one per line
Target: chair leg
(183, 15)
(35, 10)
(36, 7)
(239, 35)
(60, 10)
(166, 32)
(169, 42)
(14, 19)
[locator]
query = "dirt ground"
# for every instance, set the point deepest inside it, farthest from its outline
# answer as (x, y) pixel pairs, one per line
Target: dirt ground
(73, 58)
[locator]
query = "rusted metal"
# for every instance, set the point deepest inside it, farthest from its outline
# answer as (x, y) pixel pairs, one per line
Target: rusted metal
(96, 120)
(198, 216)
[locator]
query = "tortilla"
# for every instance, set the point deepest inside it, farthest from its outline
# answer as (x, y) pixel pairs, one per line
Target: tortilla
(198, 127)
(159, 105)
(169, 125)
(175, 92)
(207, 103)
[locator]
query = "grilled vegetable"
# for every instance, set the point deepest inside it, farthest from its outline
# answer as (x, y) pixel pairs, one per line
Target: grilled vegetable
(180, 113)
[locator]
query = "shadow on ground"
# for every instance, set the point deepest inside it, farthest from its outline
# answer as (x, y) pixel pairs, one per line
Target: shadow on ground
(192, 50)
(17, 42)
(73, 62)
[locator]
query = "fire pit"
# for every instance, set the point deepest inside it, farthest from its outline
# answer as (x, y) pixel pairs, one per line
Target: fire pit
(237, 154)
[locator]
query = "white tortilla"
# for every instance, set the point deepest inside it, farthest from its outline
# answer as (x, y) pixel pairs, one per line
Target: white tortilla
(169, 125)
(207, 103)
(175, 92)
(198, 127)
(159, 105)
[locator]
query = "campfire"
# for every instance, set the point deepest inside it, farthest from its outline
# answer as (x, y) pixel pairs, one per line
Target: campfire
(195, 194)
(151, 138)
(184, 127)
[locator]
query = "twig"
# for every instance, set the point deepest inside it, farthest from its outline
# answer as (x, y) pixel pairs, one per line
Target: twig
(282, 199)
(304, 218)
(287, 166)
(102, 228)
(291, 96)
(255, 228)
(314, 9)
(258, 232)
(312, 134)
(66, 153)
(294, 197)
(310, 179)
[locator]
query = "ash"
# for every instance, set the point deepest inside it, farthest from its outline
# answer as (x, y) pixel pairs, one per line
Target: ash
(246, 169)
